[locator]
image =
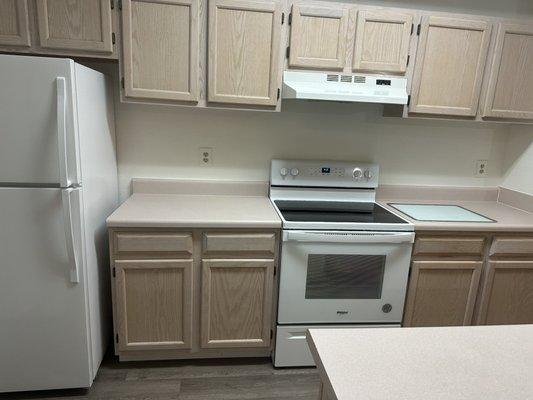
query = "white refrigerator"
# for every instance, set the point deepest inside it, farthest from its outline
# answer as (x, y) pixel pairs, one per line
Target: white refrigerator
(58, 183)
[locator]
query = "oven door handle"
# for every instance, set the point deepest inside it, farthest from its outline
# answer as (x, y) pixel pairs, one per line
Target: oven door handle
(327, 237)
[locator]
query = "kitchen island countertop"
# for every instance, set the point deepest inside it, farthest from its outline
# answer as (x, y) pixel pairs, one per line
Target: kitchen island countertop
(460, 363)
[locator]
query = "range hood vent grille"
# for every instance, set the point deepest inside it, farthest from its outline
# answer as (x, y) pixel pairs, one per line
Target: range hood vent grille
(344, 87)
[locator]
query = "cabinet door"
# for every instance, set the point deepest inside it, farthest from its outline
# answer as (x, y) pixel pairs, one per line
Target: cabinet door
(382, 41)
(507, 293)
(14, 23)
(442, 293)
(244, 40)
(449, 66)
(154, 304)
(318, 37)
(83, 25)
(236, 303)
(510, 90)
(161, 49)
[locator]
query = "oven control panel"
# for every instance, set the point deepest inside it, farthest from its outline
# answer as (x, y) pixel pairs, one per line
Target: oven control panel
(342, 174)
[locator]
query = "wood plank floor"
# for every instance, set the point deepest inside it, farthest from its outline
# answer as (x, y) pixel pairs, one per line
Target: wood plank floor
(230, 379)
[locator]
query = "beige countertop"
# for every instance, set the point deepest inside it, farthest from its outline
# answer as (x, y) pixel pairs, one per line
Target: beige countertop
(507, 218)
(195, 211)
(460, 363)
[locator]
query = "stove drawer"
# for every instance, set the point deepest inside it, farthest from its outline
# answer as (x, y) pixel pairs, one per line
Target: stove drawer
(292, 349)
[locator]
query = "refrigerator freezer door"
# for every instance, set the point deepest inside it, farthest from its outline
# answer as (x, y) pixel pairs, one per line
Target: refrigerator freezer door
(44, 334)
(38, 132)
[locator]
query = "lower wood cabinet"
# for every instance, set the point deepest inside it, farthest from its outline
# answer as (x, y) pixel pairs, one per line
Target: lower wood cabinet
(154, 304)
(193, 293)
(236, 303)
(442, 293)
(455, 281)
(507, 296)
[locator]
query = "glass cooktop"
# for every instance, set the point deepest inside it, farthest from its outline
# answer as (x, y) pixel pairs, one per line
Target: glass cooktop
(327, 211)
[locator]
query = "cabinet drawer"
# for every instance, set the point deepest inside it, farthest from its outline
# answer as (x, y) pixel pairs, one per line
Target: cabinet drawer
(515, 246)
(231, 243)
(436, 245)
(131, 242)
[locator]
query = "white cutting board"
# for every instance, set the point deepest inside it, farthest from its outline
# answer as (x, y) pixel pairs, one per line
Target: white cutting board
(439, 213)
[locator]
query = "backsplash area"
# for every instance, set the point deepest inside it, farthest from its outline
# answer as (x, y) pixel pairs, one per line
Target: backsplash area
(164, 142)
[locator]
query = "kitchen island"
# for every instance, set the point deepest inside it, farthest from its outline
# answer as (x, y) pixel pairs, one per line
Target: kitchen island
(460, 363)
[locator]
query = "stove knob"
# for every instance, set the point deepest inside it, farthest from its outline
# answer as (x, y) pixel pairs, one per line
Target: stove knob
(357, 173)
(295, 171)
(368, 174)
(284, 172)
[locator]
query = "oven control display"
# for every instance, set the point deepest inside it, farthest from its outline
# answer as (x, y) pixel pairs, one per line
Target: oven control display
(326, 171)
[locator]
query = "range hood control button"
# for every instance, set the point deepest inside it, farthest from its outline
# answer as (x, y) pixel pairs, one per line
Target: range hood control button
(295, 171)
(283, 171)
(368, 174)
(357, 173)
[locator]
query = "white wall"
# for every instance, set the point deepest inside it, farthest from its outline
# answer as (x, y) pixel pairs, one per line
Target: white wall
(155, 141)
(518, 161)
(163, 141)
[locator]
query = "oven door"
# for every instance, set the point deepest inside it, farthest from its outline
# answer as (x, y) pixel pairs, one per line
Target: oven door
(343, 277)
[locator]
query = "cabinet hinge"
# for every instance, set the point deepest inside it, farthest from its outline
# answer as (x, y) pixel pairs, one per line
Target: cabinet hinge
(290, 19)
(113, 37)
(114, 272)
(412, 28)
(408, 59)
(122, 82)
(282, 18)
(418, 29)
(288, 52)
(271, 334)
(408, 100)
(112, 4)
(279, 92)
(116, 338)
(120, 4)
(275, 271)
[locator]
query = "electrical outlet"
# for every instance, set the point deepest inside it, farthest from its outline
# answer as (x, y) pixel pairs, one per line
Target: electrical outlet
(481, 168)
(205, 155)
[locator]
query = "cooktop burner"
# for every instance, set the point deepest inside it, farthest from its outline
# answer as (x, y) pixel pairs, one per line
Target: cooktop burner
(328, 211)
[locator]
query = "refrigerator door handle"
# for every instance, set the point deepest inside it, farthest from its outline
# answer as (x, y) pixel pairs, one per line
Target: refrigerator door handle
(69, 235)
(61, 86)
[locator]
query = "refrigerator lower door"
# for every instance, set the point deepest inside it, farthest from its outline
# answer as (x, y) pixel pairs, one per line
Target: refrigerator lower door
(44, 330)
(39, 138)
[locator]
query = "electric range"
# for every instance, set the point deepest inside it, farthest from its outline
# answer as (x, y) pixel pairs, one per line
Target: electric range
(344, 258)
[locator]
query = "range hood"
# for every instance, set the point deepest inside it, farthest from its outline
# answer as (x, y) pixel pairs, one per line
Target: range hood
(344, 87)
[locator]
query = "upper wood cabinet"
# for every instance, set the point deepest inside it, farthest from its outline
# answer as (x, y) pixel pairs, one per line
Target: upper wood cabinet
(75, 25)
(318, 37)
(14, 26)
(449, 67)
(160, 49)
(236, 303)
(244, 52)
(154, 304)
(382, 41)
(442, 293)
(510, 86)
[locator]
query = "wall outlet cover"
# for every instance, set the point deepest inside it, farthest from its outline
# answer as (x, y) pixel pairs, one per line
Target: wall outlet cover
(205, 156)
(481, 168)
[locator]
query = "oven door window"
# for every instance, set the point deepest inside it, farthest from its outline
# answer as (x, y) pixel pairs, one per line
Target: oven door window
(342, 276)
